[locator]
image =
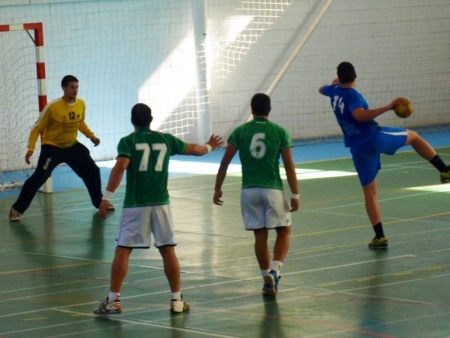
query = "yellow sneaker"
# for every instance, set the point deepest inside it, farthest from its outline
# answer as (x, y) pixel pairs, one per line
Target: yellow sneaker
(445, 177)
(378, 243)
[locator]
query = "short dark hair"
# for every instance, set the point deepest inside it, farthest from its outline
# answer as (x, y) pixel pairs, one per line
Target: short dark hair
(261, 104)
(346, 72)
(141, 115)
(67, 79)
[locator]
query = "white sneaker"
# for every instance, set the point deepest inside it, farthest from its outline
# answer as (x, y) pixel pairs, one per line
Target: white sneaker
(107, 308)
(178, 306)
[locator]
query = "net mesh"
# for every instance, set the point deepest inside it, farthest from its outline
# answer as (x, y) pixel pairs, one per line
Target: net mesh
(198, 68)
(19, 106)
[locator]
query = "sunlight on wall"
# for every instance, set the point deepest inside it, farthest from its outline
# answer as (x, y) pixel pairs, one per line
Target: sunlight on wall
(176, 77)
(175, 80)
(169, 85)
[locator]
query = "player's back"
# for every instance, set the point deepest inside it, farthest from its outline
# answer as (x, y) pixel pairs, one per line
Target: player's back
(260, 143)
(147, 174)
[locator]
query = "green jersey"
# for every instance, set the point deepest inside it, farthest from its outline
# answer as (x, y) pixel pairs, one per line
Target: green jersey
(260, 143)
(148, 172)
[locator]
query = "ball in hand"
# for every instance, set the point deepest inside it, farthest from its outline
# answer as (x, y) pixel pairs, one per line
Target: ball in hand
(403, 108)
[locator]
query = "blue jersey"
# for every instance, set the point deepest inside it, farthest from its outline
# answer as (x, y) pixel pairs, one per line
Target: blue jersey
(343, 102)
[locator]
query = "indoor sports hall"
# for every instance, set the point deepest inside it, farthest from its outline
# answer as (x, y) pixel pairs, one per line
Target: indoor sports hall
(197, 63)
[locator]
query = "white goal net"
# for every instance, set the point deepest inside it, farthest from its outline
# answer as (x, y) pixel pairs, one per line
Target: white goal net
(198, 63)
(19, 107)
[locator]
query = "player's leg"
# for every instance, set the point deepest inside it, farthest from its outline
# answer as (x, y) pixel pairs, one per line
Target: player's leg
(278, 217)
(261, 248)
(171, 267)
(281, 246)
(49, 158)
(162, 228)
(119, 269)
(424, 149)
(371, 202)
(367, 163)
(373, 211)
(393, 138)
(253, 215)
(172, 272)
(262, 253)
(133, 232)
(84, 166)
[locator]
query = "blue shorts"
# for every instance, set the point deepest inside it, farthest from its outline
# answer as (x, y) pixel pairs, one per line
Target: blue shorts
(366, 156)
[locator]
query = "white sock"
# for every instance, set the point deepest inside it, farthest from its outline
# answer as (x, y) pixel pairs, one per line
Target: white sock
(276, 266)
(113, 296)
(264, 272)
(175, 295)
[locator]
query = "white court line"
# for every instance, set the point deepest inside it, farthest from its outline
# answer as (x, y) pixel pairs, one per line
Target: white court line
(432, 188)
(210, 168)
(349, 264)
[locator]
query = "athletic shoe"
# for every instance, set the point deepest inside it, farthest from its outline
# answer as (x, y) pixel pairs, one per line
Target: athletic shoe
(378, 243)
(14, 216)
(107, 308)
(110, 207)
(445, 177)
(270, 287)
(179, 306)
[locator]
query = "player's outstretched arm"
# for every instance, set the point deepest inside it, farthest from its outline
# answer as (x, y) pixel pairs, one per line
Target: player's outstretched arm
(214, 142)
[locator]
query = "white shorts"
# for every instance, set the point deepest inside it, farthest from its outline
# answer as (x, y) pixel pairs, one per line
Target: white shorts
(137, 225)
(264, 208)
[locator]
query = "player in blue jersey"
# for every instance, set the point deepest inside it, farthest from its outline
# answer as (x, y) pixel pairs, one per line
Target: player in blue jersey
(367, 140)
(144, 156)
(261, 144)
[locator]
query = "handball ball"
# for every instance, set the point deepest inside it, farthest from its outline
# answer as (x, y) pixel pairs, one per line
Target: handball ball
(403, 108)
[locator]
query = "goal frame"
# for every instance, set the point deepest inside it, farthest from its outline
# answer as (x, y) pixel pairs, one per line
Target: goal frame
(38, 39)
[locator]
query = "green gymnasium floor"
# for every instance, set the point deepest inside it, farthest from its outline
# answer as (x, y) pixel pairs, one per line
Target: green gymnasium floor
(56, 263)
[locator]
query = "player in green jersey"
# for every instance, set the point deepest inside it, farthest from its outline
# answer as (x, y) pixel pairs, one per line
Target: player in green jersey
(261, 143)
(144, 155)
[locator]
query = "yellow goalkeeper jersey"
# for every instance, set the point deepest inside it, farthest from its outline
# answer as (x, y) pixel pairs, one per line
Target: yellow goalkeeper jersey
(58, 124)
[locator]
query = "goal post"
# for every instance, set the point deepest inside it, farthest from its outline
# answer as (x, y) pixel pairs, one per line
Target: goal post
(37, 38)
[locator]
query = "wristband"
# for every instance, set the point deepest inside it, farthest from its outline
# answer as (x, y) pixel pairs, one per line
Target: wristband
(208, 147)
(107, 195)
(295, 196)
